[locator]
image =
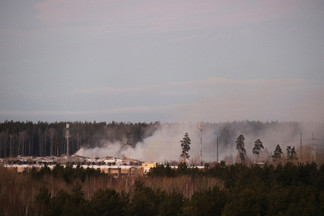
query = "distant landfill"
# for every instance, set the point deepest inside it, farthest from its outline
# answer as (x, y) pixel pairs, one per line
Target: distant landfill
(109, 165)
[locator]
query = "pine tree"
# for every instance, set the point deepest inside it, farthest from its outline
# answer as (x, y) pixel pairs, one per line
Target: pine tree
(185, 145)
(240, 148)
(291, 153)
(257, 148)
(277, 153)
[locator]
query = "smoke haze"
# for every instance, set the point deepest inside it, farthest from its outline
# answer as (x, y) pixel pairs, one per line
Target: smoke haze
(164, 144)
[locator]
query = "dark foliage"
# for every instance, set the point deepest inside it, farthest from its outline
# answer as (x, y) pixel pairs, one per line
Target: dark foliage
(67, 173)
(240, 146)
(44, 139)
(282, 190)
(206, 203)
(277, 153)
(185, 146)
(108, 202)
(162, 171)
(270, 190)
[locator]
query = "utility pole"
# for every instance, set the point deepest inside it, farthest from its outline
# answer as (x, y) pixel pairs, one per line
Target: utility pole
(217, 147)
(201, 131)
(301, 147)
(314, 147)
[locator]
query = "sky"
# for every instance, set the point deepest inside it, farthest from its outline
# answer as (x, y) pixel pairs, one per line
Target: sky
(162, 60)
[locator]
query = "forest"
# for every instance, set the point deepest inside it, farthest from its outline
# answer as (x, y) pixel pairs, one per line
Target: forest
(217, 189)
(48, 139)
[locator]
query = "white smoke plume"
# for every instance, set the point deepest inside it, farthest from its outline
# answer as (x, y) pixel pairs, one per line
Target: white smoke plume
(108, 149)
(164, 144)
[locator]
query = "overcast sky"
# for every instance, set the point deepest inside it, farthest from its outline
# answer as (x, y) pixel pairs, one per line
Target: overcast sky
(162, 60)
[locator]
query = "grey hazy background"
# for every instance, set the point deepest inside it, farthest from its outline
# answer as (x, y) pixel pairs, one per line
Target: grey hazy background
(148, 60)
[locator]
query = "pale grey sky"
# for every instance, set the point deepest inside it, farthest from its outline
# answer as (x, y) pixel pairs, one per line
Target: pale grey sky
(166, 60)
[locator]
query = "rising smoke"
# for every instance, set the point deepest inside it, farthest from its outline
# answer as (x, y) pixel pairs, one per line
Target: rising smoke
(164, 144)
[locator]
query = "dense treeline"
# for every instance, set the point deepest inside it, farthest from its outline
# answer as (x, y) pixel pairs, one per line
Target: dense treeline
(43, 139)
(282, 190)
(67, 173)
